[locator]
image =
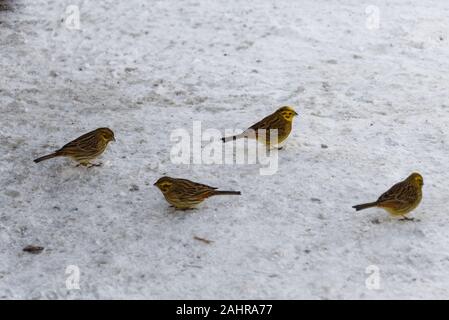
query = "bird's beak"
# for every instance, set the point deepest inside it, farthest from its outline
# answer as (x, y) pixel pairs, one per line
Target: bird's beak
(296, 113)
(113, 139)
(154, 183)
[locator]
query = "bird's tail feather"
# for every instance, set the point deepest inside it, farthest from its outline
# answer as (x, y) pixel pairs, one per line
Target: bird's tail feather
(48, 156)
(216, 193)
(227, 139)
(365, 206)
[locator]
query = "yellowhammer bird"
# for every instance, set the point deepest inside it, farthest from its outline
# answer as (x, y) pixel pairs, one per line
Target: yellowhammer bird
(85, 148)
(281, 120)
(185, 194)
(400, 199)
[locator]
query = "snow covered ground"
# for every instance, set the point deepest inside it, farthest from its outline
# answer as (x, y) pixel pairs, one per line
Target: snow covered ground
(369, 79)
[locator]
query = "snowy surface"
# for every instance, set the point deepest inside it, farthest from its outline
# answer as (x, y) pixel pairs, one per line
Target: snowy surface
(377, 98)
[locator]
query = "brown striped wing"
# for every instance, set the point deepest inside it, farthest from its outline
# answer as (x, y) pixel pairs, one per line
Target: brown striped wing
(187, 194)
(400, 195)
(273, 121)
(188, 189)
(86, 146)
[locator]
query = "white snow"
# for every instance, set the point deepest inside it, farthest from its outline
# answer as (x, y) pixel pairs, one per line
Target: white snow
(376, 97)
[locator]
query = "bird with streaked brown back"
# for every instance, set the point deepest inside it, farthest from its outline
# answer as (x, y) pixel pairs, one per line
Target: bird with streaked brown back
(400, 199)
(280, 120)
(85, 148)
(185, 194)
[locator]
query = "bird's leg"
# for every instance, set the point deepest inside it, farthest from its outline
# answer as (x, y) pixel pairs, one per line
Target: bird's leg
(278, 146)
(84, 164)
(88, 164)
(181, 209)
(404, 218)
(91, 165)
(271, 148)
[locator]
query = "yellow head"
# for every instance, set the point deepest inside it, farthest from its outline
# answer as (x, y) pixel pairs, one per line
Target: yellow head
(164, 184)
(416, 179)
(287, 113)
(106, 134)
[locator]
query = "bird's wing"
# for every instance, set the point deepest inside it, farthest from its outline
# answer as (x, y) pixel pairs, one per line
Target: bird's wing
(408, 194)
(390, 193)
(87, 142)
(401, 192)
(269, 122)
(196, 185)
(188, 188)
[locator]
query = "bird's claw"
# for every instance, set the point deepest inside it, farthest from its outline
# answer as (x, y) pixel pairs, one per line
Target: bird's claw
(89, 165)
(94, 165)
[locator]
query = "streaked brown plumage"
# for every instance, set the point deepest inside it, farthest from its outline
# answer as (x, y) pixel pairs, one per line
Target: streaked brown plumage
(186, 194)
(85, 148)
(281, 120)
(400, 199)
